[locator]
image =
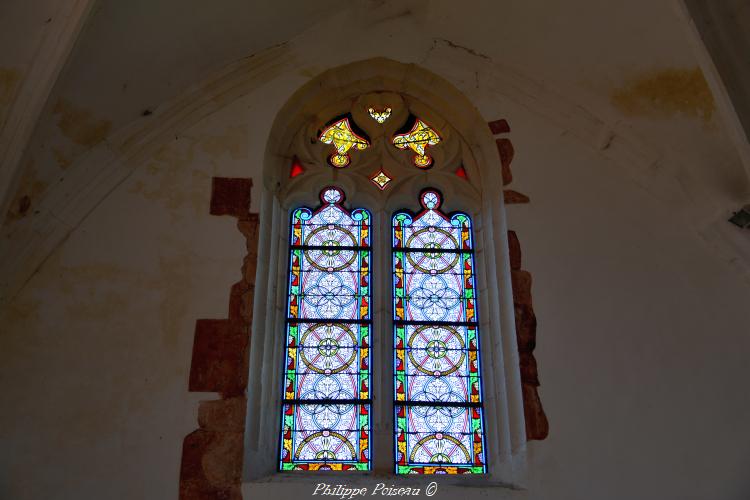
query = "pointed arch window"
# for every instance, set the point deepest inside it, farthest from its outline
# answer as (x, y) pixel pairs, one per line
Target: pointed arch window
(326, 404)
(383, 157)
(437, 383)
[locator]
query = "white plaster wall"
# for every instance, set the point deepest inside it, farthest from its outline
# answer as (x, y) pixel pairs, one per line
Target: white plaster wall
(95, 352)
(642, 336)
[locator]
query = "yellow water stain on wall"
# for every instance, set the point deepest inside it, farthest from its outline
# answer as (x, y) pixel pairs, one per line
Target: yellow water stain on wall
(173, 182)
(63, 161)
(233, 141)
(102, 291)
(80, 125)
(97, 307)
(175, 275)
(19, 312)
(9, 80)
(666, 93)
(30, 189)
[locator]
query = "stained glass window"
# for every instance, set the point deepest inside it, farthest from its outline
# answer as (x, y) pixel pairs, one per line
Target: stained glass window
(326, 404)
(381, 179)
(343, 137)
(379, 115)
(438, 398)
(417, 139)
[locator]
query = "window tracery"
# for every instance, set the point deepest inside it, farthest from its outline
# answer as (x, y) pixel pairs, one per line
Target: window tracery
(449, 437)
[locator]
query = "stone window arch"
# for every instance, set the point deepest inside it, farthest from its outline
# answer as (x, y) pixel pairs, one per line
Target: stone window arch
(466, 169)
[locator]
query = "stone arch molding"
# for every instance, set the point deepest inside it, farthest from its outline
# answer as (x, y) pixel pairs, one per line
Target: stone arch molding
(27, 243)
(336, 92)
(344, 89)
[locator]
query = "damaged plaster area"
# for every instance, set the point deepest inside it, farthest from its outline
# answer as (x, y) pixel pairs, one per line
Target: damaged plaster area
(666, 93)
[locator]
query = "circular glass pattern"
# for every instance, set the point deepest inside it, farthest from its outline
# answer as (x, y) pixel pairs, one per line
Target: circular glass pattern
(339, 161)
(437, 418)
(436, 350)
(430, 200)
(422, 161)
(328, 348)
(331, 258)
(332, 195)
(325, 445)
(330, 297)
(432, 238)
(434, 298)
(443, 450)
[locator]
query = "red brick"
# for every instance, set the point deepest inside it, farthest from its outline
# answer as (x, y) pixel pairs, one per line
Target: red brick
(514, 249)
(193, 447)
(505, 149)
(527, 364)
(499, 127)
(195, 490)
(201, 475)
(537, 426)
(230, 196)
(525, 327)
(222, 460)
(212, 455)
(223, 415)
(514, 197)
(218, 358)
(521, 281)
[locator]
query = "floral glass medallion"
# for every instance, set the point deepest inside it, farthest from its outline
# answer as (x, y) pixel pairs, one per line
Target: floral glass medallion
(343, 138)
(417, 139)
(381, 115)
(381, 179)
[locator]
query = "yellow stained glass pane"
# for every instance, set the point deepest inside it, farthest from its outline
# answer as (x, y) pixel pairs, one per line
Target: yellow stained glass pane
(381, 179)
(343, 139)
(379, 115)
(417, 139)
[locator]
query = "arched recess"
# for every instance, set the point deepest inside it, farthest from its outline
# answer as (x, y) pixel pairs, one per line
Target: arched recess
(343, 90)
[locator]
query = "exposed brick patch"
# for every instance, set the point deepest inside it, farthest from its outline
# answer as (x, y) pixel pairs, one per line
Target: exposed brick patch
(230, 196)
(499, 127)
(513, 197)
(218, 355)
(529, 373)
(537, 426)
(521, 287)
(204, 473)
(515, 250)
(212, 455)
(223, 414)
(525, 327)
(506, 151)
